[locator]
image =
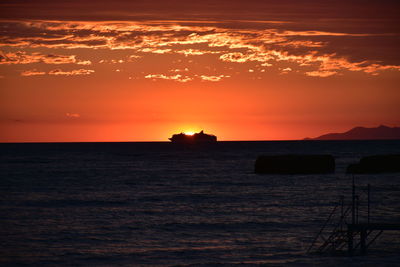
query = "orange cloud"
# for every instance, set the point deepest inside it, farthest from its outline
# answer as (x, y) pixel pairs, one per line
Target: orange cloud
(321, 73)
(230, 45)
(286, 70)
(73, 115)
(239, 57)
(177, 77)
(132, 58)
(196, 52)
(213, 78)
(322, 33)
(303, 43)
(70, 73)
(57, 72)
(180, 70)
(155, 50)
(32, 73)
(22, 57)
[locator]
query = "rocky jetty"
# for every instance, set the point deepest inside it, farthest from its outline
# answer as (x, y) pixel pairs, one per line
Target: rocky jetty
(295, 164)
(376, 164)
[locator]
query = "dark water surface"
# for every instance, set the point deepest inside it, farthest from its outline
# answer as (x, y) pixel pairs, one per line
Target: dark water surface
(133, 204)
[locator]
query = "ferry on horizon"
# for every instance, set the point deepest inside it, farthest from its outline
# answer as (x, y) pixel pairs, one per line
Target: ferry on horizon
(200, 137)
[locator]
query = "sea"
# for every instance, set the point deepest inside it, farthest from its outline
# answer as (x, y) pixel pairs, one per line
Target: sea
(164, 204)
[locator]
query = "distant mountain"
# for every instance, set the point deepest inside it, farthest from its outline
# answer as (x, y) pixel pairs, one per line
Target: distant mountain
(362, 133)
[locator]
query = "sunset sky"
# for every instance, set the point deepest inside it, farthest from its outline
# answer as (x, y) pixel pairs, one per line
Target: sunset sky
(242, 70)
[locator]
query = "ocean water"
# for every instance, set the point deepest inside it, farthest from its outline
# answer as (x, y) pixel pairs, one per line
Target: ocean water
(160, 204)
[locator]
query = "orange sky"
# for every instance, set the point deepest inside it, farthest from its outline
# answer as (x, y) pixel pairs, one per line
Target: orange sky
(143, 72)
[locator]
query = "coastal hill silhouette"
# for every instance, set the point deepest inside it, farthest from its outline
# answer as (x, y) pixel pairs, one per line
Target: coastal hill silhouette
(362, 133)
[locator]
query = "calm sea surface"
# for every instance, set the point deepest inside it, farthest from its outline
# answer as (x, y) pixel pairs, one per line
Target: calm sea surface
(138, 204)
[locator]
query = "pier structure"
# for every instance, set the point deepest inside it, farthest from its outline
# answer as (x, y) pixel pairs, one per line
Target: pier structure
(349, 233)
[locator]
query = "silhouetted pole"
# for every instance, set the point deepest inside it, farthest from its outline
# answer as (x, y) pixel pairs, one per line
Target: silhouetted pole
(341, 212)
(353, 218)
(357, 204)
(350, 241)
(353, 198)
(369, 190)
(363, 241)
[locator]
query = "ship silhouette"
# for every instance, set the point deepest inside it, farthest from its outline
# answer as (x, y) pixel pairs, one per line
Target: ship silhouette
(200, 137)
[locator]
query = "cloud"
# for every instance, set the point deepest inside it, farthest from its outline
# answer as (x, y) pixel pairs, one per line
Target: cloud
(336, 64)
(196, 52)
(321, 73)
(322, 63)
(70, 73)
(84, 62)
(255, 10)
(150, 37)
(155, 50)
(56, 72)
(21, 57)
(322, 33)
(239, 57)
(213, 78)
(303, 43)
(286, 70)
(33, 72)
(177, 77)
(186, 78)
(112, 61)
(306, 51)
(133, 58)
(180, 70)
(73, 115)
(266, 64)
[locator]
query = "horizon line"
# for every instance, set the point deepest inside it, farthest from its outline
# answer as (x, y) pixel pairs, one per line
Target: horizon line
(221, 141)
